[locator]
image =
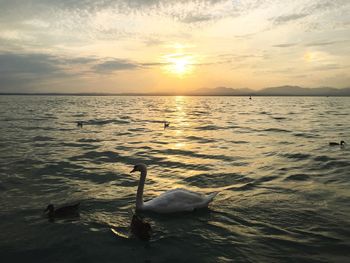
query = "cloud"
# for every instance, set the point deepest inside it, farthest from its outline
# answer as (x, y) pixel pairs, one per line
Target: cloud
(153, 42)
(325, 43)
(245, 36)
(326, 5)
(328, 67)
(33, 71)
(153, 64)
(191, 18)
(110, 66)
(285, 45)
(115, 65)
(28, 64)
(22, 71)
(288, 18)
(79, 60)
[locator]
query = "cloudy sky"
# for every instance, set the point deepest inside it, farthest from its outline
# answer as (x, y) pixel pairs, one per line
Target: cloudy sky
(154, 45)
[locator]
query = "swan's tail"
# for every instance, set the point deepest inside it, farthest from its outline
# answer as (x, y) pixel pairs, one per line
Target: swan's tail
(212, 196)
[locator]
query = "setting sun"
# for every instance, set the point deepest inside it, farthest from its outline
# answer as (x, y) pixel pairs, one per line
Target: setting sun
(179, 64)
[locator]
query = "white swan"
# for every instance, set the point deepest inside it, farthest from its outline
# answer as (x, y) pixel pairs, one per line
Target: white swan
(177, 200)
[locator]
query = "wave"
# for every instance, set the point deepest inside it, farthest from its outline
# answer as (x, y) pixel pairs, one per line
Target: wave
(296, 156)
(297, 177)
(200, 139)
(105, 122)
(279, 118)
(42, 139)
(209, 128)
(189, 153)
(275, 130)
(306, 135)
(89, 140)
(216, 179)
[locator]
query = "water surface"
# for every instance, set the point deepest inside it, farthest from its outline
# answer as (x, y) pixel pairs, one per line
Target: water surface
(284, 192)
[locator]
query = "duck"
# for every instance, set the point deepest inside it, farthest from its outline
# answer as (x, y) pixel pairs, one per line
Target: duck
(139, 228)
(166, 124)
(63, 211)
(337, 143)
(80, 124)
(172, 201)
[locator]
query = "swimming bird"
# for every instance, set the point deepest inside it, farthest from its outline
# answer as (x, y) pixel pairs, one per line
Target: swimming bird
(166, 124)
(140, 228)
(250, 97)
(337, 143)
(176, 200)
(80, 124)
(64, 211)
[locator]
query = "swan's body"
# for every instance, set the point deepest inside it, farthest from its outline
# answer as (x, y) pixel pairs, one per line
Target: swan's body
(176, 200)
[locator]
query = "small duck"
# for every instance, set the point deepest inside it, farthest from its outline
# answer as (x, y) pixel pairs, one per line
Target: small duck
(80, 124)
(139, 228)
(250, 97)
(64, 211)
(166, 124)
(342, 143)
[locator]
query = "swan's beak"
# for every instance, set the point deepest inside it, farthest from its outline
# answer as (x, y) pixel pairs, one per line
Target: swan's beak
(133, 170)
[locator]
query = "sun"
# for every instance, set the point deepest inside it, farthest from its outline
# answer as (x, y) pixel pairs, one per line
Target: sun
(179, 64)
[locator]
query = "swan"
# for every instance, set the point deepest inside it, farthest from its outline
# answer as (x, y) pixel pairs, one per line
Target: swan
(176, 200)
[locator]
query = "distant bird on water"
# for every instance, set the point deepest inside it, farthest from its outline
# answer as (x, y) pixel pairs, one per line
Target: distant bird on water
(80, 124)
(250, 97)
(342, 143)
(140, 228)
(64, 211)
(166, 124)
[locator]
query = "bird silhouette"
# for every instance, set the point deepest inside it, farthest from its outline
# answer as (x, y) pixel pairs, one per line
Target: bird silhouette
(63, 211)
(166, 124)
(341, 143)
(139, 228)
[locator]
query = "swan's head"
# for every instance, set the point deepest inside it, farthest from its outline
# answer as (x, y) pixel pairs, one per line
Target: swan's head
(139, 168)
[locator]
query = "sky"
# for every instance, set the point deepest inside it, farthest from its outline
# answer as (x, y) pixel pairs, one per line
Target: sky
(161, 46)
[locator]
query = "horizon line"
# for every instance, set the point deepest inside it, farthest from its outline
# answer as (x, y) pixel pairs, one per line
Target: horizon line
(91, 94)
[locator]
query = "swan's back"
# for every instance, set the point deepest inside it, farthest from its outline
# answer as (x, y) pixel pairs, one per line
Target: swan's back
(178, 200)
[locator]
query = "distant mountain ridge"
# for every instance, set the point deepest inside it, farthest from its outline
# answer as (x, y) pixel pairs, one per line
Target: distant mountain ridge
(219, 91)
(272, 91)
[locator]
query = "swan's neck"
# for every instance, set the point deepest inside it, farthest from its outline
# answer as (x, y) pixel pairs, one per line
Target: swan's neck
(139, 195)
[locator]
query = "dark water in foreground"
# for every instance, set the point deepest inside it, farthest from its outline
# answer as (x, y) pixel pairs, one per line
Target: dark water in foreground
(285, 193)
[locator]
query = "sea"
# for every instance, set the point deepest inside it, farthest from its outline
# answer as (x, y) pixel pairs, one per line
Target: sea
(284, 192)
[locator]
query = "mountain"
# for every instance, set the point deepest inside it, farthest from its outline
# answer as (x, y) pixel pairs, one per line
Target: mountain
(222, 91)
(299, 91)
(273, 91)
